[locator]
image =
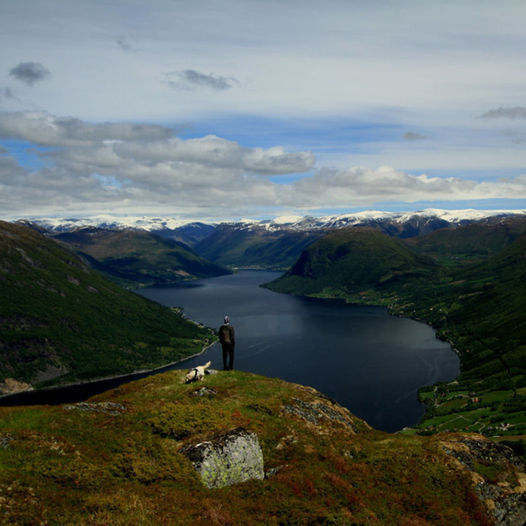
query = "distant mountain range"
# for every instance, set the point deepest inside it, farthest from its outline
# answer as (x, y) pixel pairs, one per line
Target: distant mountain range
(138, 258)
(430, 218)
(277, 243)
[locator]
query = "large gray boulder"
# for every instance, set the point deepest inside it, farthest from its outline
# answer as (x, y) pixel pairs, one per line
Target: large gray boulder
(227, 459)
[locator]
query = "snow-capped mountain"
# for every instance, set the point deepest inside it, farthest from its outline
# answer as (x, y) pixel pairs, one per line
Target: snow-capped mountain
(277, 243)
(430, 216)
(111, 222)
(297, 223)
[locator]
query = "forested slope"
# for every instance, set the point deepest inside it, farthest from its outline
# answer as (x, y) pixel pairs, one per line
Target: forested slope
(60, 318)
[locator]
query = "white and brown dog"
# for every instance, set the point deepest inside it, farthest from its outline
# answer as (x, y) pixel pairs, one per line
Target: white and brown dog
(197, 373)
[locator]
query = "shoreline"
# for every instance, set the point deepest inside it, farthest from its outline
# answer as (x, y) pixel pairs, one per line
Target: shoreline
(397, 315)
(107, 378)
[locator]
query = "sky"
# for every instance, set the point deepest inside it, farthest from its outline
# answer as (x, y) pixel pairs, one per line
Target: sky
(220, 110)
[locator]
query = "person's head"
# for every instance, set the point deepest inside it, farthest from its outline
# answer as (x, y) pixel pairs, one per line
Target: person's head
(227, 319)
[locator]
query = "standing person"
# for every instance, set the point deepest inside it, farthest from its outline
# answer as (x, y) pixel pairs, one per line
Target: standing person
(228, 342)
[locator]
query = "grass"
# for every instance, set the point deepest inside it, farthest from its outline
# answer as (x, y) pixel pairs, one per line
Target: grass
(68, 466)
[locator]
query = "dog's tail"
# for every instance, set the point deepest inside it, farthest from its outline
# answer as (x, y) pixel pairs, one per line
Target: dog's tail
(207, 364)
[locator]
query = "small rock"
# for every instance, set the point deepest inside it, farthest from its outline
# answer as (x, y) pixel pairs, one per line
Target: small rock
(5, 440)
(316, 411)
(273, 471)
(227, 459)
(203, 391)
(109, 408)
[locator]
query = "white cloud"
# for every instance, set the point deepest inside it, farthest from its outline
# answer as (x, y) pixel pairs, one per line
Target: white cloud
(129, 166)
(360, 186)
(47, 130)
(219, 153)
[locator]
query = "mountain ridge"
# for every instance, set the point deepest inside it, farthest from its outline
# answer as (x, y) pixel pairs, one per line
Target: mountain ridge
(138, 258)
(276, 244)
(297, 222)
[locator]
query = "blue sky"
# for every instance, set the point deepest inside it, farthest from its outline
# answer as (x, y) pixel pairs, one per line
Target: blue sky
(217, 110)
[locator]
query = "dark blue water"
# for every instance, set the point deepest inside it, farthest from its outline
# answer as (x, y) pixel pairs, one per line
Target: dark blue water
(367, 360)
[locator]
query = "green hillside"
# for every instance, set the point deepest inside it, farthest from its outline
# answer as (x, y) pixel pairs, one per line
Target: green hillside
(254, 247)
(139, 258)
(469, 243)
(119, 459)
(354, 261)
(62, 320)
(480, 308)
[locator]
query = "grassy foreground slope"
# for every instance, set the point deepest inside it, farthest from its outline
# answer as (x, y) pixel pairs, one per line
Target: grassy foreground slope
(139, 258)
(59, 318)
(117, 460)
(480, 308)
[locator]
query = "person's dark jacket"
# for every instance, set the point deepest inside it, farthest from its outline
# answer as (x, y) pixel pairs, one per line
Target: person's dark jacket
(227, 334)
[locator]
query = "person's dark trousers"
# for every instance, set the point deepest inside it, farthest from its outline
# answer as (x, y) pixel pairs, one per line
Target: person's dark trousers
(228, 352)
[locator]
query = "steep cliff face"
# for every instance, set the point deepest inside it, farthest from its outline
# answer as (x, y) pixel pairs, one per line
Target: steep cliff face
(242, 449)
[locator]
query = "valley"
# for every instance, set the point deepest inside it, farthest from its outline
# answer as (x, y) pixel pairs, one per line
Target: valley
(460, 272)
(120, 457)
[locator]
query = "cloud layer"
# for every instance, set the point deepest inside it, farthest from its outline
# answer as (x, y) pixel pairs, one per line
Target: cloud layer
(288, 105)
(125, 167)
(134, 165)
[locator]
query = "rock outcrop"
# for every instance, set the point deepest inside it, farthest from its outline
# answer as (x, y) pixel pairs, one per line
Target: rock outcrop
(497, 474)
(12, 386)
(227, 459)
(321, 410)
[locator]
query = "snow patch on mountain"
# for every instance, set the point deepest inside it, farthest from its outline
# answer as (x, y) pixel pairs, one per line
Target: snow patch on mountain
(288, 222)
(112, 222)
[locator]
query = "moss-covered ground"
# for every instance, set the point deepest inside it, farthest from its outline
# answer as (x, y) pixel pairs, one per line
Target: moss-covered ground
(117, 461)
